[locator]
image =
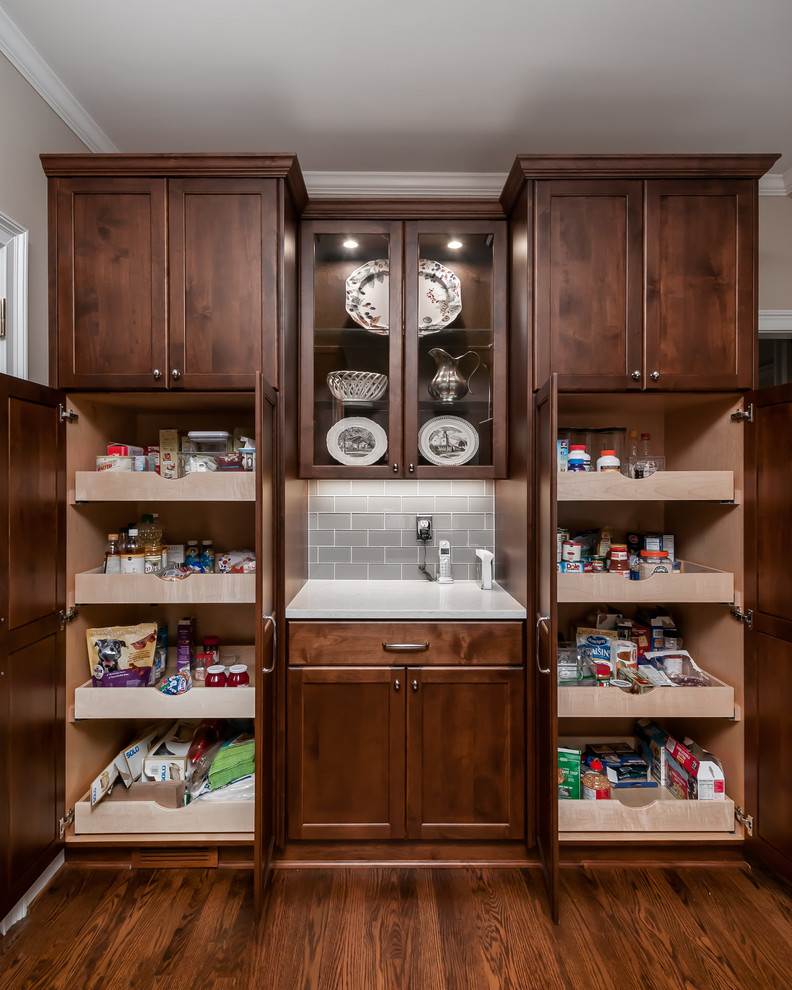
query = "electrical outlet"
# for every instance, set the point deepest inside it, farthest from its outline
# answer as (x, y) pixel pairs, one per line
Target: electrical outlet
(423, 528)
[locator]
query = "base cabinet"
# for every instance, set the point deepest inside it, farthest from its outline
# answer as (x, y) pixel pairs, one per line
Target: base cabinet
(405, 753)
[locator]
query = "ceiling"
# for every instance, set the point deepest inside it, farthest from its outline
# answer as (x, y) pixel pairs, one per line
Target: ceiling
(413, 86)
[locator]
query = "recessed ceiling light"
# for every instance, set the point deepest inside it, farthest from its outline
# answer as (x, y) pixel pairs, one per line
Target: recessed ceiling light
(455, 244)
(350, 243)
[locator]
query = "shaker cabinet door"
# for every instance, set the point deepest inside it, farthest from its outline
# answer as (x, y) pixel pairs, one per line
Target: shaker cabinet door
(699, 283)
(223, 282)
(589, 283)
(110, 282)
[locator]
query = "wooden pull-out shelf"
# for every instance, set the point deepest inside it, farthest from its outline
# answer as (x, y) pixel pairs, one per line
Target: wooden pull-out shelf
(150, 703)
(639, 810)
(695, 584)
(662, 486)
(716, 701)
(96, 588)
(134, 486)
(132, 817)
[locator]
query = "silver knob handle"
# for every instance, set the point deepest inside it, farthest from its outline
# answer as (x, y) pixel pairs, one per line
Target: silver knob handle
(397, 685)
(157, 374)
(636, 376)
(395, 467)
(654, 375)
(415, 685)
(412, 468)
(175, 374)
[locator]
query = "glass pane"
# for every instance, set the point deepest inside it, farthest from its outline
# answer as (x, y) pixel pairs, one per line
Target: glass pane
(455, 347)
(351, 327)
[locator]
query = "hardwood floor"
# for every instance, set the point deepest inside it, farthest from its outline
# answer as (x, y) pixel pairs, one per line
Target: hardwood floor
(692, 928)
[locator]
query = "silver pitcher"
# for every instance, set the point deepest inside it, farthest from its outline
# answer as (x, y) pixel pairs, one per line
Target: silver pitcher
(449, 384)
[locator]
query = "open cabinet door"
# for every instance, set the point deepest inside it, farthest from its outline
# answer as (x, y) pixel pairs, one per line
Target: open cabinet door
(768, 654)
(32, 642)
(546, 639)
(266, 630)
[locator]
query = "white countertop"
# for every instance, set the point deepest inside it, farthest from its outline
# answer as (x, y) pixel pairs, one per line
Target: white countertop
(402, 600)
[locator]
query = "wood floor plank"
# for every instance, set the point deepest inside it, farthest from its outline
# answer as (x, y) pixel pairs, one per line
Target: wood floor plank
(399, 928)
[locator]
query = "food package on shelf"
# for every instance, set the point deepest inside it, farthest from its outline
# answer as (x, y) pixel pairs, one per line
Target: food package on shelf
(168, 757)
(126, 766)
(123, 656)
(568, 773)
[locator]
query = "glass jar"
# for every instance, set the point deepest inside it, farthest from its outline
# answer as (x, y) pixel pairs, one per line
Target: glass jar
(216, 676)
(238, 675)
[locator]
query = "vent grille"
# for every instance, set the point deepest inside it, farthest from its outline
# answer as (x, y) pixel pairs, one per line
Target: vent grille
(170, 857)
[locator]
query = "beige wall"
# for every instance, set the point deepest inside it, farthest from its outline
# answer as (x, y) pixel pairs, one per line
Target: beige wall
(775, 252)
(30, 127)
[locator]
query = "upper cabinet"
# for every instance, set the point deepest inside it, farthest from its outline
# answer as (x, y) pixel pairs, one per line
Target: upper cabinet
(643, 269)
(403, 353)
(167, 269)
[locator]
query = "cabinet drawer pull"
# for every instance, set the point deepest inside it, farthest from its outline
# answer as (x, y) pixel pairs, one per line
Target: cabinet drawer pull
(636, 376)
(405, 647)
(397, 685)
(654, 375)
(395, 467)
(175, 374)
(415, 685)
(412, 469)
(157, 374)
(539, 621)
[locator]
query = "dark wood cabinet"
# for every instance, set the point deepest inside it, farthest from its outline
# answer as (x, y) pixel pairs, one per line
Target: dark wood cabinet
(403, 349)
(167, 269)
(32, 592)
(644, 284)
(435, 751)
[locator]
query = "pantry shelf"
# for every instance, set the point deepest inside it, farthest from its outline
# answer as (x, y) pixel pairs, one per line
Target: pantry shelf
(635, 811)
(117, 816)
(695, 583)
(133, 486)
(94, 587)
(199, 702)
(667, 486)
(716, 701)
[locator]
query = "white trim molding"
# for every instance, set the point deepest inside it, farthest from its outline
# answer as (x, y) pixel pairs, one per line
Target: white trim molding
(20, 909)
(24, 57)
(776, 184)
(14, 258)
(775, 323)
(405, 185)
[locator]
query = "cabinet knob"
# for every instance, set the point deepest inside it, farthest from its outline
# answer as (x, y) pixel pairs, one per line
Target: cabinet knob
(636, 376)
(415, 685)
(397, 685)
(654, 375)
(157, 374)
(395, 467)
(412, 468)
(175, 374)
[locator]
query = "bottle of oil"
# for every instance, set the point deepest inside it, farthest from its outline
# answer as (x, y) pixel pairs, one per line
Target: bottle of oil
(133, 559)
(112, 561)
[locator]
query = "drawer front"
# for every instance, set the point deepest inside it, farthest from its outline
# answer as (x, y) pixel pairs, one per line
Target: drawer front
(418, 644)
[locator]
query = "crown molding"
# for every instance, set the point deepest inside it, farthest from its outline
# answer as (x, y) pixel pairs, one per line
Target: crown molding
(775, 322)
(776, 184)
(404, 185)
(24, 57)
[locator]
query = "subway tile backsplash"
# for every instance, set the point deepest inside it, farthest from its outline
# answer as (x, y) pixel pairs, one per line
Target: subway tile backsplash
(365, 530)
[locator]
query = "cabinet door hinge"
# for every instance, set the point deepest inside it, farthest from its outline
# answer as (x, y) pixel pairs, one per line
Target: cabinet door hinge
(67, 415)
(743, 415)
(68, 819)
(743, 819)
(67, 615)
(740, 616)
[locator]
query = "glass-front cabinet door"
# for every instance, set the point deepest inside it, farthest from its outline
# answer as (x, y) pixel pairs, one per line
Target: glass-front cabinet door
(403, 361)
(351, 360)
(455, 375)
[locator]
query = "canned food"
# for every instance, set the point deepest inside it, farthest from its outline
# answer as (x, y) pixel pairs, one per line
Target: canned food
(595, 786)
(570, 550)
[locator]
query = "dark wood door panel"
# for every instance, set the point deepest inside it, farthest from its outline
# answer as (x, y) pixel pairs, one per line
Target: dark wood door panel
(223, 253)
(111, 281)
(773, 487)
(699, 283)
(421, 643)
(465, 753)
(345, 777)
(588, 291)
(34, 512)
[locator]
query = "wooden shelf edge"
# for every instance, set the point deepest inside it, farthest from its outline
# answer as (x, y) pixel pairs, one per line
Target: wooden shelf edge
(134, 486)
(689, 486)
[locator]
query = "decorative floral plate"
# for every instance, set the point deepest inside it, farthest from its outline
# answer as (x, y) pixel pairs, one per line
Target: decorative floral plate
(448, 440)
(439, 296)
(367, 295)
(357, 440)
